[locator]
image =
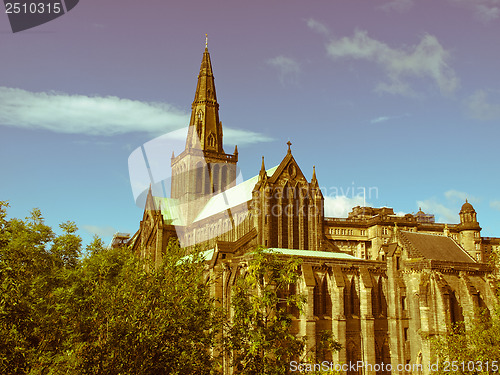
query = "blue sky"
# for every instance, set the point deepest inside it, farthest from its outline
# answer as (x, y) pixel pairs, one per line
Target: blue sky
(401, 98)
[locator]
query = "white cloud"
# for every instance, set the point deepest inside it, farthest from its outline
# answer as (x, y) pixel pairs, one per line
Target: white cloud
(77, 114)
(484, 10)
(288, 68)
(495, 205)
(428, 60)
(340, 206)
(243, 137)
(481, 108)
(456, 196)
(400, 6)
(317, 26)
(380, 119)
(443, 213)
(106, 231)
(447, 210)
(94, 115)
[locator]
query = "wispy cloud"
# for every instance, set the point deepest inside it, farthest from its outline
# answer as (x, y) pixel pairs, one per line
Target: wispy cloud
(80, 114)
(317, 26)
(341, 205)
(288, 68)
(447, 210)
(428, 59)
(480, 106)
(400, 6)
(380, 119)
(456, 196)
(244, 137)
(95, 115)
(443, 213)
(484, 10)
(495, 205)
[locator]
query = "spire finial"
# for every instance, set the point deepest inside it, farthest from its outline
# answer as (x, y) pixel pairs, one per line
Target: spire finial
(289, 144)
(206, 41)
(314, 173)
(466, 200)
(262, 173)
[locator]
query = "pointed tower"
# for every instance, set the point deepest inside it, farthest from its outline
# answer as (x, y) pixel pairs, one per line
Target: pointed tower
(203, 168)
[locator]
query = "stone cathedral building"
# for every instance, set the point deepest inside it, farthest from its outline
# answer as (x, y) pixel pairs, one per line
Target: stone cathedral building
(382, 283)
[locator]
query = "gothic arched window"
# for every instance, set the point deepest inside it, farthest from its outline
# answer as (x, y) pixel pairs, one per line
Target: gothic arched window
(211, 140)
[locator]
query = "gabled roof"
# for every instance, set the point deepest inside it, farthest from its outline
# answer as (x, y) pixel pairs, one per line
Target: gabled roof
(273, 177)
(435, 247)
(230, 198)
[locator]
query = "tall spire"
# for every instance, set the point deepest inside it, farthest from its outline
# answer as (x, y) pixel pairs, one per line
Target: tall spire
(205, 129)
(203, 168)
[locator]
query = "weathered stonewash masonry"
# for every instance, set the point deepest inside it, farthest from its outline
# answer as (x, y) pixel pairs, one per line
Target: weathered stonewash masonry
(382, 283)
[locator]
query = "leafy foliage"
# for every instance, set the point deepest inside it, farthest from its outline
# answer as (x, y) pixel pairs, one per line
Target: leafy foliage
(479, 344)
(473, 350)
(259, 337)
(106, 313)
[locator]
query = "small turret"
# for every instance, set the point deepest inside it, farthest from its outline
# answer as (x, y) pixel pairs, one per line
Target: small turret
(470, 236)
(468, 216)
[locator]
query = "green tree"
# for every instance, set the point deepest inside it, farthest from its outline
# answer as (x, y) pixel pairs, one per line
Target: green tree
(259, 339)
(129, 318)
(106, 313)
(474, 350)
(30, 265)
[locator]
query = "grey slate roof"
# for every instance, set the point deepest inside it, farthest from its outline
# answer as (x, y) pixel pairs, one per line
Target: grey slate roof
(435, 247)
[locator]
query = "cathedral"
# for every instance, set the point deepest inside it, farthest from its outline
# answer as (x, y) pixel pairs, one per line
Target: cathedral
(383, 284)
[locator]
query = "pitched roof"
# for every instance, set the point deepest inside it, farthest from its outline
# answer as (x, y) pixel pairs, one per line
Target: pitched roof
(314, 254)
(230, 198)
(436, 247)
